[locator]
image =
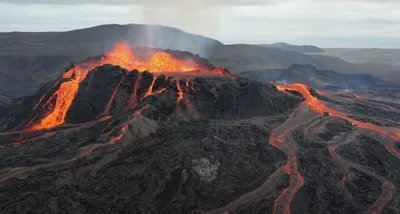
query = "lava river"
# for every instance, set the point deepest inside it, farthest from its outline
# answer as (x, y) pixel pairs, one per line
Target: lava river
(160, 62)
(281, 138)
(320, 108)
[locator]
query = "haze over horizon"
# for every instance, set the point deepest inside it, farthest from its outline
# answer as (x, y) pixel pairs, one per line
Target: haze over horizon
(325, 23)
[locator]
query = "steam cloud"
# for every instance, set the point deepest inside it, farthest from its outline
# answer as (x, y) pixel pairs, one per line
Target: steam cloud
(198, 17)
(194, 16)
(146, 2)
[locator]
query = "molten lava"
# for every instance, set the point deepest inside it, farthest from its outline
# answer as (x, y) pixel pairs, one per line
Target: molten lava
(277, 139)
(107, 109)
(150, 91)
(160, 62)
(180, 93)
(319, 107)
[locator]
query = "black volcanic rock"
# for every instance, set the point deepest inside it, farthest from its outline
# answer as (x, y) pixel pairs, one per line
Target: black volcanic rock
(192, 144)
(97, 89)
(215, 97)
(196, 154)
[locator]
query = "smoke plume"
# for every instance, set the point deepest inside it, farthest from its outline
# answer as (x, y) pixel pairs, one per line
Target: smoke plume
(200, 17)
(197, 17)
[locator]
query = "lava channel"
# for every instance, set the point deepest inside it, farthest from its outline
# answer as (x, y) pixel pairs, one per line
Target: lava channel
(282, 140)
(320, 108)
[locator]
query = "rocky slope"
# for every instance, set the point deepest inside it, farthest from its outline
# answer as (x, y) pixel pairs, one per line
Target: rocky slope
(202, 141)
(165, 153)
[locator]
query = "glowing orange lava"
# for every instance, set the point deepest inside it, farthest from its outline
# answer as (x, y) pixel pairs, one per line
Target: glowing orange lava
(291, 168)
(122, 55)
(219, 70)
(133, 97)
(321, 92)
(180, 93)
(40, 100)
(107, 109)
(319, 107)
(150, 89)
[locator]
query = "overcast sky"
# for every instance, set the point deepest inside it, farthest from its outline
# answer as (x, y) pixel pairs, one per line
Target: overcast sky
(326, 23)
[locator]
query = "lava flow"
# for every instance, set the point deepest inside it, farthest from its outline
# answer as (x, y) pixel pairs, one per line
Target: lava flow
(282, 140)
(122, 55)
(319, 107)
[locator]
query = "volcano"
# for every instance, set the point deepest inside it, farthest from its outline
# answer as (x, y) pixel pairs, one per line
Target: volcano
(161, 131)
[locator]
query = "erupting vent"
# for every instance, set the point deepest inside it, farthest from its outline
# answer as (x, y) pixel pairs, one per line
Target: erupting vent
(122, 55)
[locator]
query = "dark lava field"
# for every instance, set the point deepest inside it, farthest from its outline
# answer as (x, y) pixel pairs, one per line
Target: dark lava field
(174, 134)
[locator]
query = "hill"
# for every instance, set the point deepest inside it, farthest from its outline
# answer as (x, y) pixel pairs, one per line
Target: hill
(319, 79)
(115, 135)
(96, 40)
(243, 57)
(365, 55)
(29, 60)
(379, 62)
(297, 48)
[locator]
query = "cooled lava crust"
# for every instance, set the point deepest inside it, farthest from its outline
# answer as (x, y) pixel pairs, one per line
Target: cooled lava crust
(133, 141)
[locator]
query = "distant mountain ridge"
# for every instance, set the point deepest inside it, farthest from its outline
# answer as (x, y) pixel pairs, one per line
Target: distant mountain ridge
(30, 59)
(319, 79)
(297, 48)
(95, 40)
(243, 57)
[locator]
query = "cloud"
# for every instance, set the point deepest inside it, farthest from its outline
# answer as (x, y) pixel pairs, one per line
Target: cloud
(178, 2)
(256, 21)
(149, 2)
(322, 10)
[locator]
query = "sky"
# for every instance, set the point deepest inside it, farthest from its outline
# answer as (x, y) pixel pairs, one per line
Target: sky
(325, 23)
